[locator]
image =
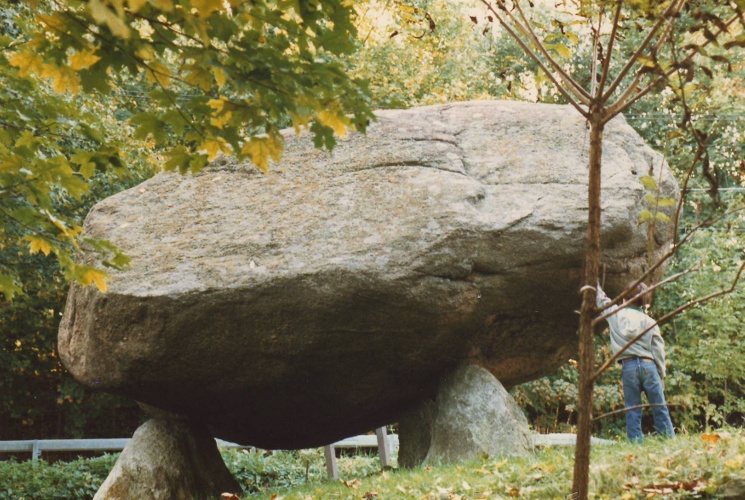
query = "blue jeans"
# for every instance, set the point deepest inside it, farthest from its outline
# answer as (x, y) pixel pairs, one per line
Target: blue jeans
(641, 376)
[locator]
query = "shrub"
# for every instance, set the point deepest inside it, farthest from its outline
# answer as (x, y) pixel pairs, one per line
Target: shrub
(38, 479)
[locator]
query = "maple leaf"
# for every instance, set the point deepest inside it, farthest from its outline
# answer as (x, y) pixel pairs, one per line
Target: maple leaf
(334, 120)
(96, 277)
(214, 145)
(261, 149)
(83, 60)
(206, 7)
(38, 244)
(102, 14)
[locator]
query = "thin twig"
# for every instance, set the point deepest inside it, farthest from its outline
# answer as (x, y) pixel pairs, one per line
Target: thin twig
(637, 407)
(595, 44)
(609, 50)
(536, 59)
(620, 107)
(672, 9)
(528, 31)
(674, 248)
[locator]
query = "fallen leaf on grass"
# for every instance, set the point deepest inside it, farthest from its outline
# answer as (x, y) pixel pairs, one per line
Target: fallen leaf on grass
(633, 482)
(711, 438)
(735, 463)
(662, 471)
(370, 495)
(354, 483)
(666, 489)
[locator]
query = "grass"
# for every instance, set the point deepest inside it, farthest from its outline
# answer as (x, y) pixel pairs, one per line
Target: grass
(688, 466)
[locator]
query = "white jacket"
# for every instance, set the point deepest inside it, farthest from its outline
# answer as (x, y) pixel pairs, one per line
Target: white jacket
(625, 325)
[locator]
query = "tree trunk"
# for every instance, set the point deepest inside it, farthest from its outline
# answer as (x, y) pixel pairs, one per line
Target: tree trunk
(587, 312)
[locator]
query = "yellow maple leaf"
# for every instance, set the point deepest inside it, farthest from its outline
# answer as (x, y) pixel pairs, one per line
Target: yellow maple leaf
(63, 78)
(158, 73)
(298, 122)
(217, 104)
(221, 121)
(220, 77)
(214, 145)
(136, 5)
(83, 60)
(261, 149)
(102, 14)
(54, 21)
(27, 62)
(97, 278)
(38, 244)
(145, 52)
(334, 120)
(164, 5)
(68, 232)
(206, 7)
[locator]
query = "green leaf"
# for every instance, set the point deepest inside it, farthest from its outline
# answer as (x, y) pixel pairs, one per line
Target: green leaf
(561, 49)
(662, 217)
(84, 160)
(178, 158)
(665, 201)
(149, 125)
(648, 181)
(9, 287)
(646, 62)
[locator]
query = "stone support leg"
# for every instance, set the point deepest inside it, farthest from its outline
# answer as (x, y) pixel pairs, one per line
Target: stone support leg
(472, 415)
(168, 459)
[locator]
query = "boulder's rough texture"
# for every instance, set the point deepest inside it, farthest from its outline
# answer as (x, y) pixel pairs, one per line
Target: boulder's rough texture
(324, 299)
(168, 459)
(472, 415)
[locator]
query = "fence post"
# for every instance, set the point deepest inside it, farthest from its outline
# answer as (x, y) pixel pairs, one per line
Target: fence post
(384, 447)
(331, 468)
(35, 450)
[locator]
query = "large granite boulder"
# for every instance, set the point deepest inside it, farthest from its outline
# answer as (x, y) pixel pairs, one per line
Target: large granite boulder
(324, 299)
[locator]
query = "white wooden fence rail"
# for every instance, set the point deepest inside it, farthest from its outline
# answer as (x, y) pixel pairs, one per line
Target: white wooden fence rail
(381, 440)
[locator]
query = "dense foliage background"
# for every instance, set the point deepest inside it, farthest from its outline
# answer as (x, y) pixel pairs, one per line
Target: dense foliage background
(410, 53)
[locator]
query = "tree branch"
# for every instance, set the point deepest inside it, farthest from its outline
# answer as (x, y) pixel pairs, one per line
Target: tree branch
(620, 106)
(630, 301)
(609, 50)
(708, 221)
(594, 64)
(528, 51)
(672, 9)
(581, 94)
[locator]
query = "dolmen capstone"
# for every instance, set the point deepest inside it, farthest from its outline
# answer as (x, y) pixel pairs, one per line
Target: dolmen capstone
(335, 293)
